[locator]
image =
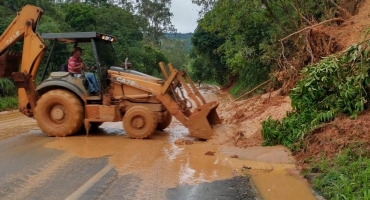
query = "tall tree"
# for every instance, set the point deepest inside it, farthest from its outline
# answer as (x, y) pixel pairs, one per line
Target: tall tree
(81, 17)
(157, 16)
(231, 45)
(206, 5)
(175, 51)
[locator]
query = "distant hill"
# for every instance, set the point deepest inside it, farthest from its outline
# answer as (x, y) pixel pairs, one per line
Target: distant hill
(186, 37)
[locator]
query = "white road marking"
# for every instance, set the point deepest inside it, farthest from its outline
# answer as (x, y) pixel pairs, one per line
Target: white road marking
(80, 191)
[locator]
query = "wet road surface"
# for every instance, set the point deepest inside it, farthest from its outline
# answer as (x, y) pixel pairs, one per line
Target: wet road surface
(109, 165)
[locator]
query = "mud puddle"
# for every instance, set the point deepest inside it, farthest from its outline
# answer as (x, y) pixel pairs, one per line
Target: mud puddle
(164, 163)
(273, 171)
(160, 160)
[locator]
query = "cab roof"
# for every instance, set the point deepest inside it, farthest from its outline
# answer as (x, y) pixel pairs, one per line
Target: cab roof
(73, 37)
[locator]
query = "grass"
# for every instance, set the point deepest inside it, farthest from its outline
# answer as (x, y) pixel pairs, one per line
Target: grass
(345, 177)
(7, 87)
(8, 103)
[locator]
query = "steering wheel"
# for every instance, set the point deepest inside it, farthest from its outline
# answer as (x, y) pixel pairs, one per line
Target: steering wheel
(93, 67)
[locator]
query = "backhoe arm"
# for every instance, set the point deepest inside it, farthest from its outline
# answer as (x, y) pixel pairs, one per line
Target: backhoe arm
(23, 27)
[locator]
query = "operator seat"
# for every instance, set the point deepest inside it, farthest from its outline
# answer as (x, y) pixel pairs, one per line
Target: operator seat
(64, 67)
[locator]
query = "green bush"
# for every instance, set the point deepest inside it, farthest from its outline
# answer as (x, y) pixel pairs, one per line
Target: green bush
(8, 103)
(337, 84)
(7, 87)
(346, 177)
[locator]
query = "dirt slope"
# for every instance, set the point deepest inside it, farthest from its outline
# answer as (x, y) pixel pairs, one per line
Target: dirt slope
(353, 29)
(330, 38)
(242, 119)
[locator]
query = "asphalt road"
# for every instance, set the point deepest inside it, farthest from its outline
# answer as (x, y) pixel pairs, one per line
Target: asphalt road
(109, 165)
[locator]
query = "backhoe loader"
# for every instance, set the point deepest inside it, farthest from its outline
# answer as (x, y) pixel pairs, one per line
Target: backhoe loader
(62, 104)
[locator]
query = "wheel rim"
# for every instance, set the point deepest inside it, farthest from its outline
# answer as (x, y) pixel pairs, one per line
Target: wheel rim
(138, 122)
(57, 113)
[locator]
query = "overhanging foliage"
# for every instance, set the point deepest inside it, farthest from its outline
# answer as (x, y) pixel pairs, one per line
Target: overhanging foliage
(337, 84)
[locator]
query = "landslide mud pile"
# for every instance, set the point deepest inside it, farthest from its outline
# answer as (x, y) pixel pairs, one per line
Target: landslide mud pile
(242, 119)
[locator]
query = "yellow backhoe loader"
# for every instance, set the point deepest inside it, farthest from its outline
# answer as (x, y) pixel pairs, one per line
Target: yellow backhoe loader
(62, 104)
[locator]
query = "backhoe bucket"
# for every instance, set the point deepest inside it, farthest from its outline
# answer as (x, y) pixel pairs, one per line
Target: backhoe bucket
(201, 121)
(9, 63)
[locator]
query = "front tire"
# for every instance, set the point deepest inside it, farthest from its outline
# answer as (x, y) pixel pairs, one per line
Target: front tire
(139, 122)
(59, 113)
(166, 121)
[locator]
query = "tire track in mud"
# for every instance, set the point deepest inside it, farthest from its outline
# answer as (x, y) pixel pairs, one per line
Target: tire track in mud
(8, 121)
(8, 113)
(12, 115)
(35, 180)
(15, 123)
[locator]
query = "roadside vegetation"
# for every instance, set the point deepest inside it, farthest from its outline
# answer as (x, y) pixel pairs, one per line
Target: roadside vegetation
(338, 84)
(8, 98)
(345, 177)
(321, 82)
(8, 103)
(242, 54)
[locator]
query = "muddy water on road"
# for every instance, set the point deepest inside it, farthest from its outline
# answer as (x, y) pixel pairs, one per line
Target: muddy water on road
(160, 163)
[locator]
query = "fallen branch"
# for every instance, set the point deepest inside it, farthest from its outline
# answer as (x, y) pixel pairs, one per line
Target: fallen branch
(310, 27)
(262, 84)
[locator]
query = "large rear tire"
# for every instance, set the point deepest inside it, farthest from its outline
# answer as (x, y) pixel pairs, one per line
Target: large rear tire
(59, 113)
(167, 118)
(139, 122)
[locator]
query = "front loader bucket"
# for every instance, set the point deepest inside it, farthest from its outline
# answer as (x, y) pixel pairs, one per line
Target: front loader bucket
(9, 63)
(201, 121)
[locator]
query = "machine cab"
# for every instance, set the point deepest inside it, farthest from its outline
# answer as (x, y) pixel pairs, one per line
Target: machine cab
(98, 53)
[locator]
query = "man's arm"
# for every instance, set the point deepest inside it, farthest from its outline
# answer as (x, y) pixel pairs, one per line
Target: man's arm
(72, 62)
(82, 65)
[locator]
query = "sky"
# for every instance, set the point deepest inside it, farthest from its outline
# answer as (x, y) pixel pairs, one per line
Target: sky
(185, 15)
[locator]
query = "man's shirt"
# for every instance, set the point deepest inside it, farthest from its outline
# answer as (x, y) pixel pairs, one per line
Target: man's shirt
(72, 63)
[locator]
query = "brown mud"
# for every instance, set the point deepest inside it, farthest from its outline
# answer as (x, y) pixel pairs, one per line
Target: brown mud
(332, 138)
(14, 123)
(242, 119)
(172, 158)
(271, 169)
(163, 157)
(328, 140)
